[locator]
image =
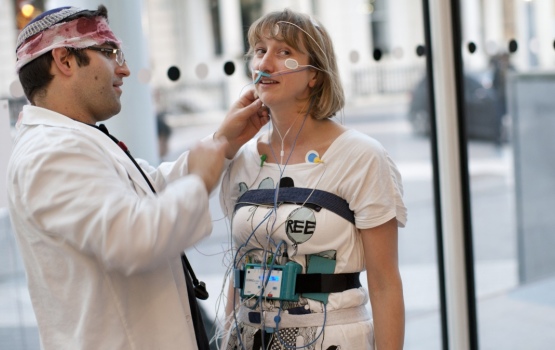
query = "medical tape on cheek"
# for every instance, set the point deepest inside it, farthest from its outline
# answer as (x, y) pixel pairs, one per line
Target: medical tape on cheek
(79, 33)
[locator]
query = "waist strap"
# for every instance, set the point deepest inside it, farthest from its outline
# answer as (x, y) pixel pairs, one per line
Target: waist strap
(321, 282)
(327, 283)
(335, 317)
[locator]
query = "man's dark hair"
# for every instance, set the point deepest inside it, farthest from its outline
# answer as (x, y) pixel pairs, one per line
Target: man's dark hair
(35, 76)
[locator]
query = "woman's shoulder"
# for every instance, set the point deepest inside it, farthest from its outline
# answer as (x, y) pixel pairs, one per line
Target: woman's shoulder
(354, 140)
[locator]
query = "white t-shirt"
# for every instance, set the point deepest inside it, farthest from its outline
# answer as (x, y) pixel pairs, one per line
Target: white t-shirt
(355, 167)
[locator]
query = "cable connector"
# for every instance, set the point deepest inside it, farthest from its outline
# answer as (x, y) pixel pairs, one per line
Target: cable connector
(284, 257)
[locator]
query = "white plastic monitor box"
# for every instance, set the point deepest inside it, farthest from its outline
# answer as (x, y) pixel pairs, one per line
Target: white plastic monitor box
(279, 281)
(255, 278)
(5, 150)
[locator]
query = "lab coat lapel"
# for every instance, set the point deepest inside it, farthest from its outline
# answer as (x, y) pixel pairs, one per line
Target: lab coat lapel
(132, 170)
(124, 160)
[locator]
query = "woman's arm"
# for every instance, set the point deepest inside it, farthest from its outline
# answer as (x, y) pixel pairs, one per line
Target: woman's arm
(384, 284)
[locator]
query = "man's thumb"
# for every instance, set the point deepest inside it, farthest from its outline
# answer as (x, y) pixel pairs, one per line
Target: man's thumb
(254, 106)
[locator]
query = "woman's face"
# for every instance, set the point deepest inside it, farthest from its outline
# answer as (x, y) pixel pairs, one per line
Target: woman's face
(289, 79)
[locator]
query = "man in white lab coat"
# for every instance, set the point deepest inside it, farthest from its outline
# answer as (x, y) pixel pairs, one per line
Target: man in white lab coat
(100, 234)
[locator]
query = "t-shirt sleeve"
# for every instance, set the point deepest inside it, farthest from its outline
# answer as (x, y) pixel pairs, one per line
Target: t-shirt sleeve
(372, 184)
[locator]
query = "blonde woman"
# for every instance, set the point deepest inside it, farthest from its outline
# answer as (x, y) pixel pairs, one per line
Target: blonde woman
(312, 204)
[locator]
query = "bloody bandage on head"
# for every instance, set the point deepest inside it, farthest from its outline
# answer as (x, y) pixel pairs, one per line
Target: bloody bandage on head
(78, 34)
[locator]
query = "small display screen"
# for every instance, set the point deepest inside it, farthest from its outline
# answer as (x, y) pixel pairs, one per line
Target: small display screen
(271, 278)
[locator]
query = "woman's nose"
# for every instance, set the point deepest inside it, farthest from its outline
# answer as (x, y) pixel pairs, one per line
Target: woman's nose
(265, 64)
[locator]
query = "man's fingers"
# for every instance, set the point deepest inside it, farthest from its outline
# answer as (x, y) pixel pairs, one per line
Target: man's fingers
(250, 110)
(263, 111)
(247, 98)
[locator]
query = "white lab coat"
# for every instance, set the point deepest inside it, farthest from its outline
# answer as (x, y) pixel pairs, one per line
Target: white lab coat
(102, 253)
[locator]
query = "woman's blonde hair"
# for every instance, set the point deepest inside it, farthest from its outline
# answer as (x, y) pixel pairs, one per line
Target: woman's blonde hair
(305, 35)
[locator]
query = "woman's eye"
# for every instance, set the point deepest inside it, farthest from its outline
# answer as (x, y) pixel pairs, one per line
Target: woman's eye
(259, 51)
(284, 52)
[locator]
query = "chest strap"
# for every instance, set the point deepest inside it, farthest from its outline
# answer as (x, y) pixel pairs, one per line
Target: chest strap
(312, 198)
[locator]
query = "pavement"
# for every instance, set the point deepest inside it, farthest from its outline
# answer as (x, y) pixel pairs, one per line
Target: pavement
(510, 315)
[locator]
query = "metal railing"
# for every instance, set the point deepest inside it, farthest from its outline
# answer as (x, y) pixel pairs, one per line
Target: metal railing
(382, 79)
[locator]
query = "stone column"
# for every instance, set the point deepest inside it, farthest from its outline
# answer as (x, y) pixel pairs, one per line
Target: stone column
(8, 36)
(233, 50)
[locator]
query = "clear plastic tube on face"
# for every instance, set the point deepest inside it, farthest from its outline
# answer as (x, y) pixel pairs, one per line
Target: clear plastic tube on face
(290, 63)
(276, 74)
(260, 75)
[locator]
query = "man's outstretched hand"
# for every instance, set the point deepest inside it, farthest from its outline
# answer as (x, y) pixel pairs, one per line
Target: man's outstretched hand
(245, 118)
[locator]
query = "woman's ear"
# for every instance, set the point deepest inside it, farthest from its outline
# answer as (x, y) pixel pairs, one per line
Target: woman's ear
(63, 60)
(312, 82)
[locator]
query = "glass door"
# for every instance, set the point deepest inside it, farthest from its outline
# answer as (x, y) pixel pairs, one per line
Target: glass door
(508, 61)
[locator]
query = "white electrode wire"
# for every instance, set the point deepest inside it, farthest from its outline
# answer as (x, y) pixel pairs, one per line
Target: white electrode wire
(259, 297)
(266, 279)
(299, 68)
(333, 81)
(252, 234)
(244, 245)
(282, 138)
(282, 171)
(277, 74)
(315, 42)
(264, 256)
(220, 331)
(271, 231)
(242, 303)
(276, 195)
(265, 269)
(237, 260)
(304, 31)
(235, 263)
